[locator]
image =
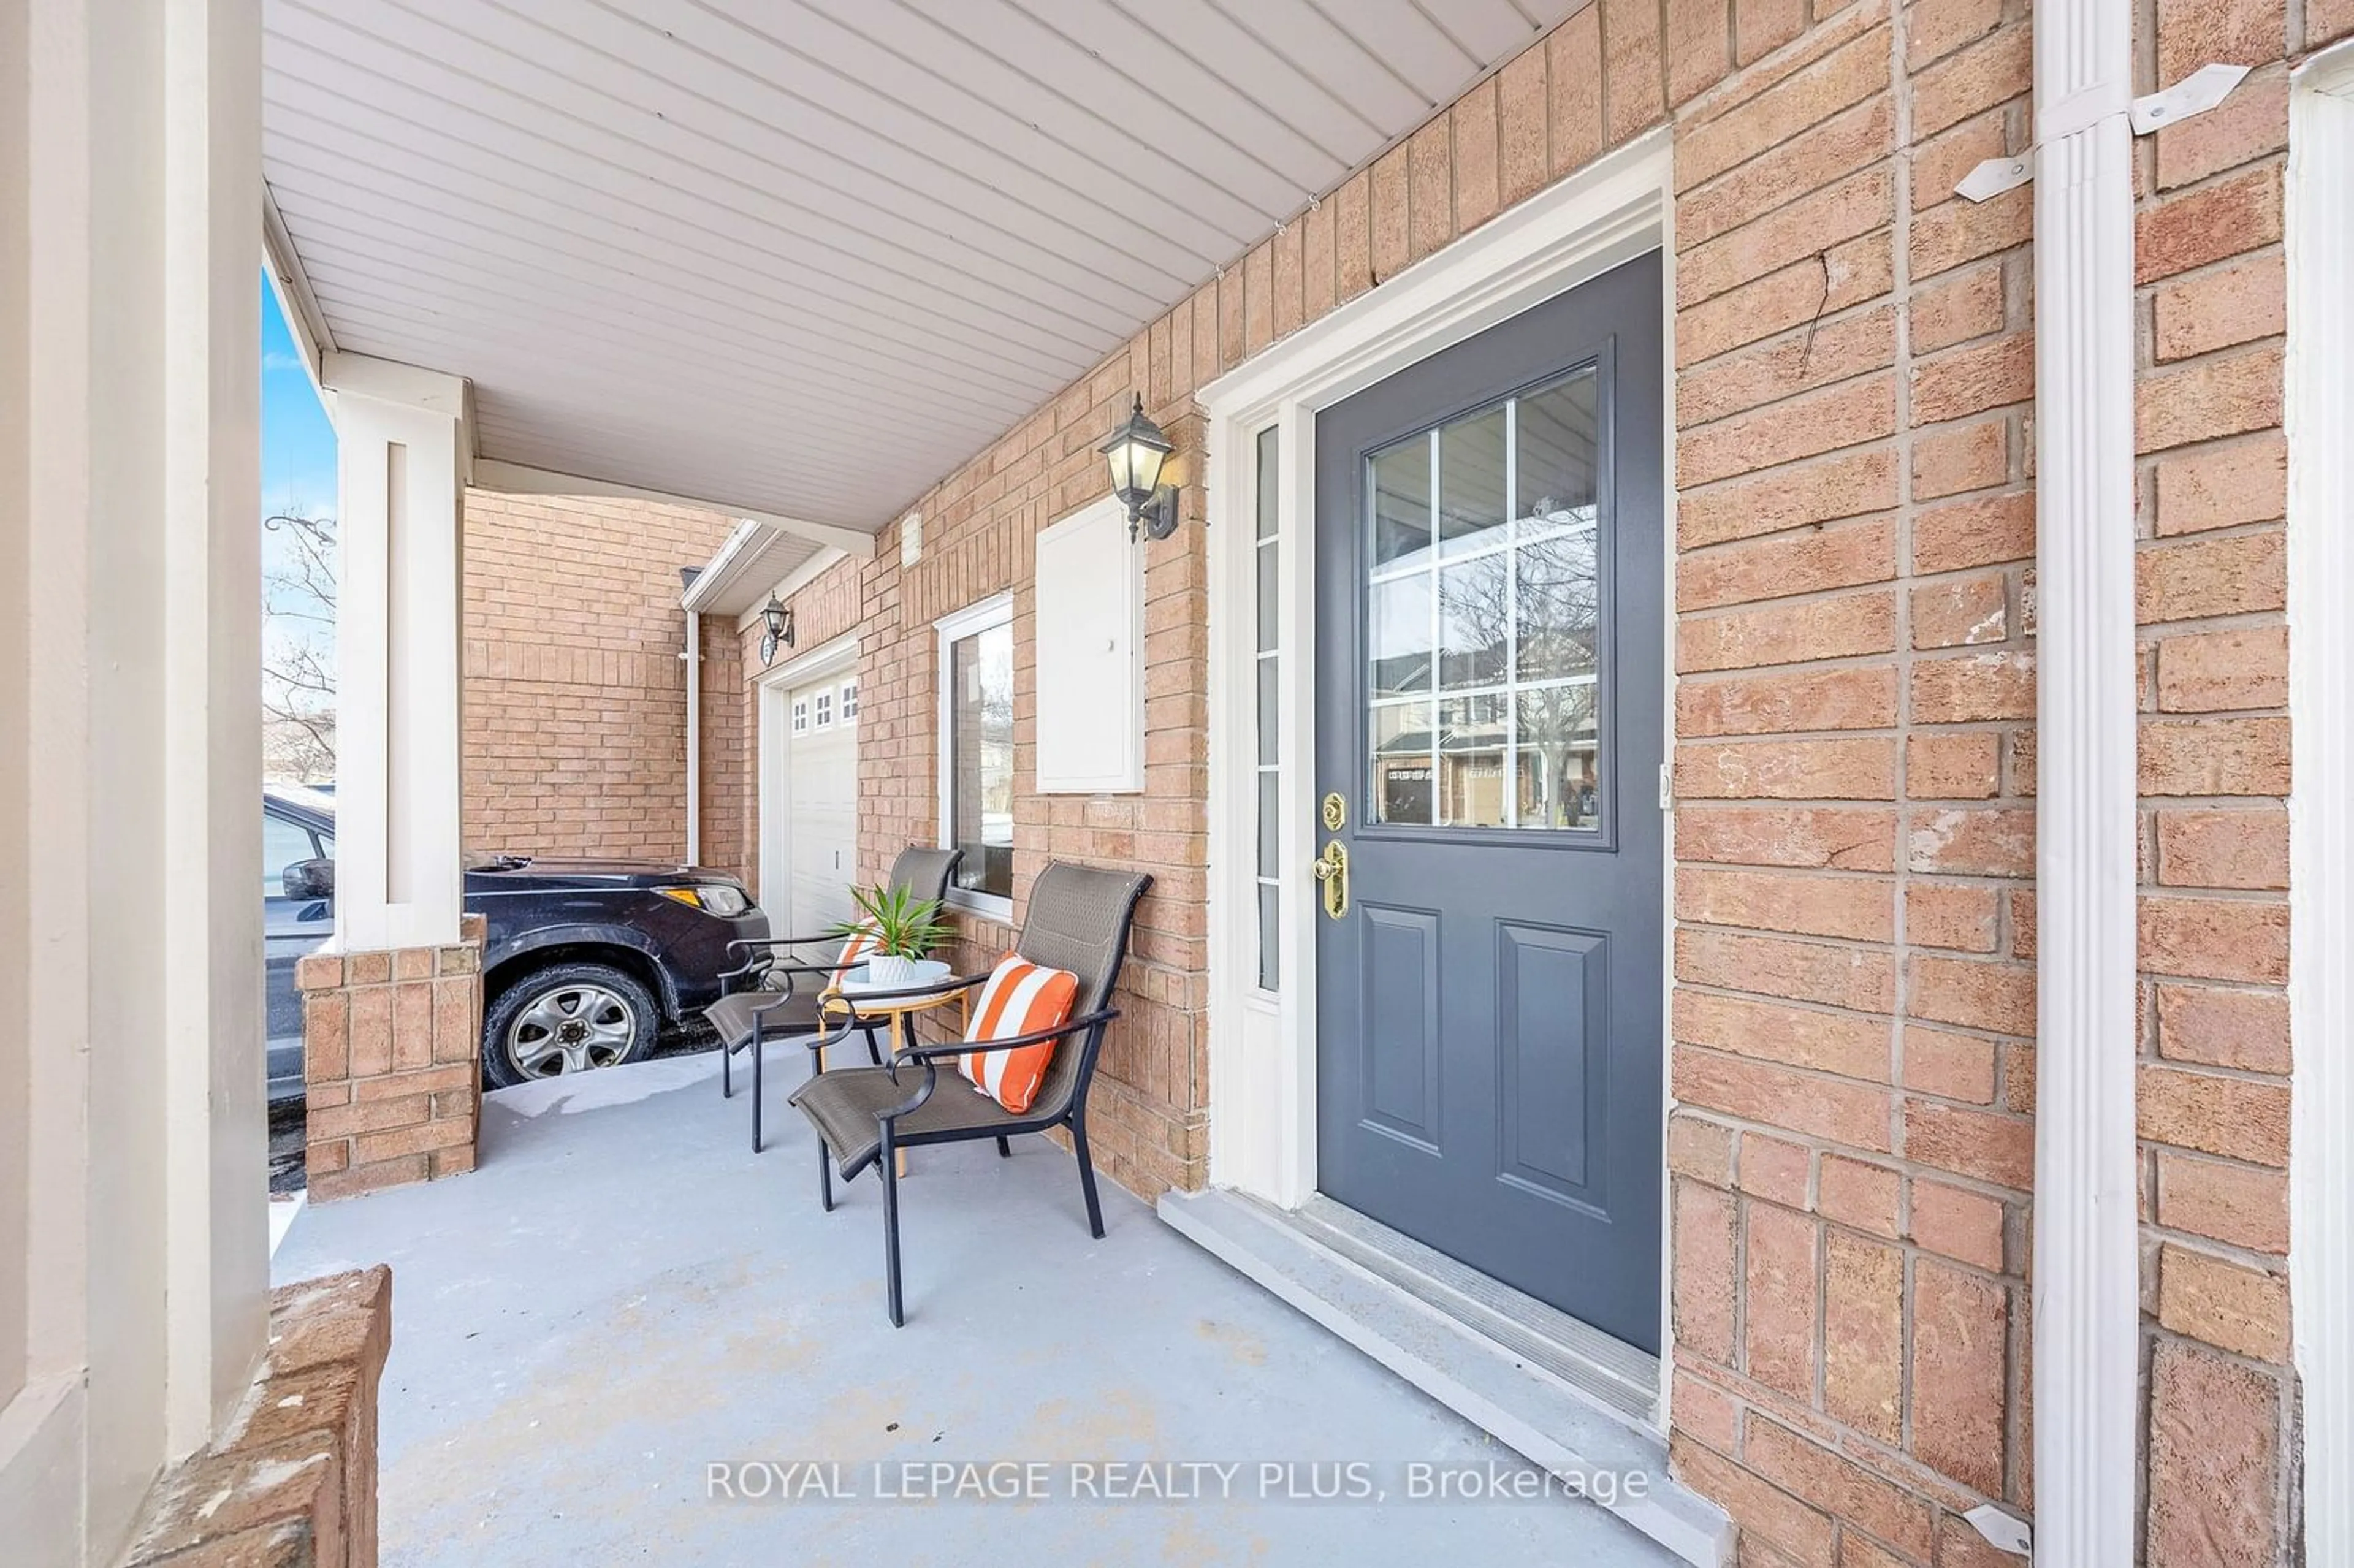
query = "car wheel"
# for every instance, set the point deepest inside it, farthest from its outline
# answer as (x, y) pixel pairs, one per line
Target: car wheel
(568, 1018)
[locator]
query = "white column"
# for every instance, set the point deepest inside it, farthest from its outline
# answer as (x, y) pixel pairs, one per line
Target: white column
(132, 1132)
(2087, 1266)
(404, 442)
(210, 637)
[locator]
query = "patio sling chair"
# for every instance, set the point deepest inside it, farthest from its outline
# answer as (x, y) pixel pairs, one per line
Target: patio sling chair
(784, 996)
(1079, 920)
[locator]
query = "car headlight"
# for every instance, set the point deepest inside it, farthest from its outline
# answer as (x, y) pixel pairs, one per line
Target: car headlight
(722, 899)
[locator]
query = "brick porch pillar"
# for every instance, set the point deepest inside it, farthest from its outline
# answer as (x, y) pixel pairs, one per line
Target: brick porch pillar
(392, 1058)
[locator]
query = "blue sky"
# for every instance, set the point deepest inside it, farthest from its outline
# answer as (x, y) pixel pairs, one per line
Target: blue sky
(298, 478)
(297, 445)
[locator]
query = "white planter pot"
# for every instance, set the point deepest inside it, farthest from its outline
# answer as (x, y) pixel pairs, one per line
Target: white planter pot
(884, 974)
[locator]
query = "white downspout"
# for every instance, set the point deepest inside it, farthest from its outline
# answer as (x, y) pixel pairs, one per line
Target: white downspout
(694, 657)
(2086, 1268)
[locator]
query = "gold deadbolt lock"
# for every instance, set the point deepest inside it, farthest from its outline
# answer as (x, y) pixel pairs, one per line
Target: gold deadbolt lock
(1336, 813)
(1332, 876)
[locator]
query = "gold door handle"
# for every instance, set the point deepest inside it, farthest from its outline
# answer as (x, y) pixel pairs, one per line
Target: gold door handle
(1331, 870)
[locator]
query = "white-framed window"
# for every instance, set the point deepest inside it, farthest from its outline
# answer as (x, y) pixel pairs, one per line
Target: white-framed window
(823, 708)
(1269, 780)
(849, 709)
(976, 751)
(801, 716)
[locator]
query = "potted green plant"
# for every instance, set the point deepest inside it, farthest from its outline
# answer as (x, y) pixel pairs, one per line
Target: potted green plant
(901, 930)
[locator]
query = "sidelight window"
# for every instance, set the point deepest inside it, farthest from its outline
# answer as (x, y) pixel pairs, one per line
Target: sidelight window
(1270, 778)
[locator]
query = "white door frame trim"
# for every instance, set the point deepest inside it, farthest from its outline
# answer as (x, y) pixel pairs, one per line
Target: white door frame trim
(2321, 402)
(772, 785)
(1262, 1114)
(826, 659)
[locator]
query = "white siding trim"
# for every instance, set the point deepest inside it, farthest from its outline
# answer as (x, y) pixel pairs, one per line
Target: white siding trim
(300, 307)
(791, 583)
(2086, 1268)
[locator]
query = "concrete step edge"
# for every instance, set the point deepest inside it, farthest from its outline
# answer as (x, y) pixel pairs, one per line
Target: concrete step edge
(1514, 1322)
(1560, 1428)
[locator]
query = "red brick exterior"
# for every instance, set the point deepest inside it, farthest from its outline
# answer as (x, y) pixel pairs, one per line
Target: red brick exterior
(574, 693)
(731, 757)
(2220, 1431)
(1146, 1118)
(1854, 956)
(392, 1063)
(1855, 988)
(292, 1483)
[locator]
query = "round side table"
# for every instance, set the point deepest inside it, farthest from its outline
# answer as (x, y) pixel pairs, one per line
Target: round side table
(902, 1013)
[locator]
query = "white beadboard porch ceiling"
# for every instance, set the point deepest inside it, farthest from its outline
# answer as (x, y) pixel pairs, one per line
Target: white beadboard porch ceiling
(806, 256)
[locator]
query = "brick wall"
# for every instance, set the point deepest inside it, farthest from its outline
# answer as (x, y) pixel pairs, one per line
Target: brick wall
(1854, 1006)
(1145, 1123)
(574, 697)
(392, 1063)
(2221, 1413)
(1855, 987)
(731, 758)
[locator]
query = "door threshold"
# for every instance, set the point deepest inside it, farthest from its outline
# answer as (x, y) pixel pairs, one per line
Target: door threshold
(1572, 1400)
(1605, 1368)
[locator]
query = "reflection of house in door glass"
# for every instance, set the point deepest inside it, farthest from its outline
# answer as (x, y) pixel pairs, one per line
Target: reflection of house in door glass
(1483, 615)
(1406, 790)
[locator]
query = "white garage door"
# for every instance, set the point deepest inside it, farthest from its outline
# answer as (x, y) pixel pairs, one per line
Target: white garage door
(822, 766)
(809, 803)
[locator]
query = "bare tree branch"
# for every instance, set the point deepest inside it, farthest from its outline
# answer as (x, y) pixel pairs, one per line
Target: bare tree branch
(298, 680)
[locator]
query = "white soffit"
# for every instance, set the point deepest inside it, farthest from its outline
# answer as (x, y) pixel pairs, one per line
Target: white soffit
(806, 256)
(754, 560)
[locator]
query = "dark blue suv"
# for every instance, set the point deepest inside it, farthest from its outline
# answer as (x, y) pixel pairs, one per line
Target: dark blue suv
(583, 960)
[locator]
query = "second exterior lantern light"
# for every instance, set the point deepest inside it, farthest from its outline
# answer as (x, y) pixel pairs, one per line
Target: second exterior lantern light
(1137, 451)
(777, 620)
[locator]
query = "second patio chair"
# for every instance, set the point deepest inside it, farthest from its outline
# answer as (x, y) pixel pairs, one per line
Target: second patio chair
(783, 996)
(1078, 921)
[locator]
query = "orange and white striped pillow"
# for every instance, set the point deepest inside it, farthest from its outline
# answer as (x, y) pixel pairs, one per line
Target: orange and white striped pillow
(857, 948)
(1021, 998)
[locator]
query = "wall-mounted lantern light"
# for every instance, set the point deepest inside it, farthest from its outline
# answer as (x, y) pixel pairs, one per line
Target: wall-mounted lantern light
(780, 632)
(1137, 452)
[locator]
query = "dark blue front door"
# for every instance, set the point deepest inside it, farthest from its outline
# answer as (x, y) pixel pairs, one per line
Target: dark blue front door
(1491, 695)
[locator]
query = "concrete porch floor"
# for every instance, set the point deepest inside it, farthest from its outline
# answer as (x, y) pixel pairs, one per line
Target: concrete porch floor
(624, 1294)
